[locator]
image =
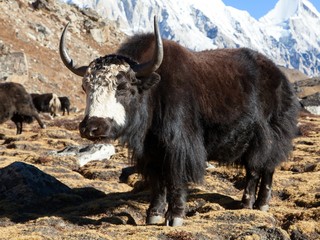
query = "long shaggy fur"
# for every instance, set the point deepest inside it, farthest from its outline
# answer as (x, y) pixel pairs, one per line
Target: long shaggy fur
(229, 105)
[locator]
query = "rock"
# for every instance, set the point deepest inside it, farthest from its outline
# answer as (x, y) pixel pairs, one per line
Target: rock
(93, 15)
(87, 153)
(4, 49)
(72, 17)
(40, 4)
(307, 86)
(312, 103)
(25, 184)
(100, 35)
(14, 67)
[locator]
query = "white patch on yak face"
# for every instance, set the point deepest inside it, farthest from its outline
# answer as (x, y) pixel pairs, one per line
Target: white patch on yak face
(103, 103)
(100, 86)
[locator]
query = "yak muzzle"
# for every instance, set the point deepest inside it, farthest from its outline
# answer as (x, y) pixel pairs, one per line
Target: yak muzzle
(94, 128)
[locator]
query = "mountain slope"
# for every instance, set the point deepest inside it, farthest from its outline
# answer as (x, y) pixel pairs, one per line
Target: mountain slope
(295, 24)
(35, 33)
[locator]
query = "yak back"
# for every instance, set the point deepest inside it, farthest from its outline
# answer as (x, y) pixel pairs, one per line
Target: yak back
(224, 83)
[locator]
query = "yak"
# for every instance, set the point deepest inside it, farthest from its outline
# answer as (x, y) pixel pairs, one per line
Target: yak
(16, 104)
(65, 105)
(46, 102)
(176, 109)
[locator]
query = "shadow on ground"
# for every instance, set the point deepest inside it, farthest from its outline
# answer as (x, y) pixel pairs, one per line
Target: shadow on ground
(27, 193)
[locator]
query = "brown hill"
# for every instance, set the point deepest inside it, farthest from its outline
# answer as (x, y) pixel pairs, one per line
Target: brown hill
(293, 75)
(36, 33)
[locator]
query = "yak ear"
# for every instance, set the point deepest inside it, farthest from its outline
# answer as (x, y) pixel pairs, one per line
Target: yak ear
(148, 82)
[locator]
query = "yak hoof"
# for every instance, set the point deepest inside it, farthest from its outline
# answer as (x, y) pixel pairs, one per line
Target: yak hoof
(175, 222)
(246, 206)
(264, 208)
(153, 220)
(43, 126)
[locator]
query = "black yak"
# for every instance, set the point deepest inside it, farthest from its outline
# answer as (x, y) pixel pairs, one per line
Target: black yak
(176, 109)
(65, 105)
(46, 102)
(16, 104)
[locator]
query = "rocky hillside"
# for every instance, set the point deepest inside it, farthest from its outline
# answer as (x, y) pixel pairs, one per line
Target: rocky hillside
(34, 29)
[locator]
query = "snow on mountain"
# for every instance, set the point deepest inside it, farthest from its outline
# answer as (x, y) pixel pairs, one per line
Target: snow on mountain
(283, 10)
(295, 24)
(288, 34)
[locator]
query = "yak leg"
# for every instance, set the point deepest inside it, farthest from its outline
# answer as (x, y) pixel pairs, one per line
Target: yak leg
(32, 112)
(19, 126)
(158, 204)
(249, 194)
(18, 119)
(154, 157)
(41, 124)
(264, 195)
(176, 205)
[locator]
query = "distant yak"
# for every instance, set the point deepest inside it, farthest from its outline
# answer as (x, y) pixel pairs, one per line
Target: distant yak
(65, 105)
(16, 104)
(47, 102)
(176, 109)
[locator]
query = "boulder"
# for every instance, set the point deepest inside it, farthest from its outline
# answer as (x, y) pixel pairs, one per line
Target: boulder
(87, 153)
(25, 184)
(312, 103)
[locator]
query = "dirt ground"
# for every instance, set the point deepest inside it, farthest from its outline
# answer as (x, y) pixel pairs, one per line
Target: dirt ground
(100, 204)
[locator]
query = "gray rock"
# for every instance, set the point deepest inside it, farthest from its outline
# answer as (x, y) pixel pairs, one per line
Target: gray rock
(24, 183)
(93, 15)
(87, 153)
(14, 63)
(100, 35)
(312, 103)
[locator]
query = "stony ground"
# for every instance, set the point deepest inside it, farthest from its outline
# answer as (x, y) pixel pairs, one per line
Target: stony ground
(96, 202)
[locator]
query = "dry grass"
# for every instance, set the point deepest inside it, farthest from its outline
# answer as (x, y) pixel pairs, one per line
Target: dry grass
(100, 206)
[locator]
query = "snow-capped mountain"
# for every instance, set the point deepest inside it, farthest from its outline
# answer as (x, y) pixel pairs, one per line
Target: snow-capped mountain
(289, 34)
(295, 24)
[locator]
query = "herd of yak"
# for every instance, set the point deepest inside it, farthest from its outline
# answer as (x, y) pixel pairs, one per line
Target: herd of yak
(20, 106)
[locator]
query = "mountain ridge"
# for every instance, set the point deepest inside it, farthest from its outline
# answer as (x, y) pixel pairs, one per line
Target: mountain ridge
(292, 43)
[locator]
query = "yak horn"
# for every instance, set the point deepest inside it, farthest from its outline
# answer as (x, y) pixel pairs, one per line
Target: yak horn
(68, 62)
(145, 69)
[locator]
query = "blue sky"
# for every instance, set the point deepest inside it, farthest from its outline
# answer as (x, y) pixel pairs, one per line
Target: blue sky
(258, 8)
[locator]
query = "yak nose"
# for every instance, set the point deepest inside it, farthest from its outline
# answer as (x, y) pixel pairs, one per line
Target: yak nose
(94, 127)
